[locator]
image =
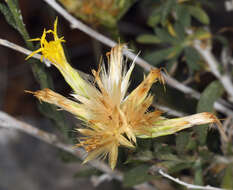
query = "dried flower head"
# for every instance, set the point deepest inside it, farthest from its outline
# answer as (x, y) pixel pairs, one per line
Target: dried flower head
(112, 117)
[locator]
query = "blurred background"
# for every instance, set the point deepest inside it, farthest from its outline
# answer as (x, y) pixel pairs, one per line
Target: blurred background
(155, 28)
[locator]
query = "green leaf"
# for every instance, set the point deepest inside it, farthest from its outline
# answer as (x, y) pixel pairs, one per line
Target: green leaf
(192, 145)
(137, 175)
(212, 92)
(180, 31)
(183, 16)
(51, 112)
(160, 148)
(198, 176)
(182, 140)
(199, 14)
(148, 39)
(206, 104)
(174, 166)
(154, 18)
(140, 157)
(162, 55)
(166, 9)
(16, 13)
(8, 16)
(192, 58)
(164, 36)
(227, 182)
(168, 157)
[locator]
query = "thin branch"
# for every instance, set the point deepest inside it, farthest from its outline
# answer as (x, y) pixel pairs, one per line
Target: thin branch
(169, 111)
(75, 23)
(187, 185)
(214, 67)
(228, 127)
(97, 180)
(18, 48)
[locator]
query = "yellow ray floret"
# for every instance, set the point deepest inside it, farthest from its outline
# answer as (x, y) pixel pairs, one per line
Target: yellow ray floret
(112, 118)
(53, 51)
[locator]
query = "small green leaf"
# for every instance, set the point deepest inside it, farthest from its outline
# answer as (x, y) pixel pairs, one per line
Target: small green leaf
(192, 145)
(212, 92)
(164, 36)
(183, 16)
(206, 104)
(8, 16)
(148, 39)
(174, 166)
(227, 182)
(166, 9)
(182, 140)
(192, 58)
(51, 112)
(160, 148)
(199, 14)
(162, 55)
(154, 18)
(137, 175)
(198, 176)
(168, 157)
(180, 31)
(140, 157)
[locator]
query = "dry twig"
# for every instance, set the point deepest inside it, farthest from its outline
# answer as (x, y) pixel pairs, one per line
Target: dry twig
(213, 64)
(154, 170)
(187, 185)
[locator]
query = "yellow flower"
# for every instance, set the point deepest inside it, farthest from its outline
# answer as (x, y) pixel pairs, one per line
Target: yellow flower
(53, 51)
(112, 117)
